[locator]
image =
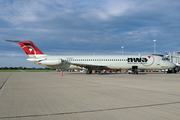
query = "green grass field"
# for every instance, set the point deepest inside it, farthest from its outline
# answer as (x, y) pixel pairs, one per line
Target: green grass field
(27, 70)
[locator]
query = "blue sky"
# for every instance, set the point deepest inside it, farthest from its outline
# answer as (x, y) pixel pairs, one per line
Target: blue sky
(84, 27)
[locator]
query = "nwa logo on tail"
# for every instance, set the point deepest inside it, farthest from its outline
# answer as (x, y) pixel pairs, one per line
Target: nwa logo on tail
(144, 60)
(29, 50)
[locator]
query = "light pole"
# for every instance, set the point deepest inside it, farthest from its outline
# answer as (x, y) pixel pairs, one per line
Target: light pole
(122, 49)
(154, 46)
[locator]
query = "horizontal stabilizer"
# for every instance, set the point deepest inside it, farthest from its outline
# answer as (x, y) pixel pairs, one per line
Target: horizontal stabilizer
(16, 41)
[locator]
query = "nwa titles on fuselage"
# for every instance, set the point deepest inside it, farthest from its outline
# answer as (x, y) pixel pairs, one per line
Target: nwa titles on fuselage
(95, 62)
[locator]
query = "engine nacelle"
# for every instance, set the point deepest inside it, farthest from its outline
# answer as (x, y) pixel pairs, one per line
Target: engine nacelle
(35, 60)
(51, 62)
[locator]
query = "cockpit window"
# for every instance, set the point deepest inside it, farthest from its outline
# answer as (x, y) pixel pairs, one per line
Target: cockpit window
(165, 59)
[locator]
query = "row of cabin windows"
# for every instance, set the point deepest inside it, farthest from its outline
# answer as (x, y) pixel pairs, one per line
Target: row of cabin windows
(96, 60)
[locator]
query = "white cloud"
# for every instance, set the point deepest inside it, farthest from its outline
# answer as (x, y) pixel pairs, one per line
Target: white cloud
(33, 29)
(87, 23)
(106, 9)
(19, 11)
(113, 8)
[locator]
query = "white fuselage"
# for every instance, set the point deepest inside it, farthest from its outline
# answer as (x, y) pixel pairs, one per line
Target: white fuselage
(110, 61)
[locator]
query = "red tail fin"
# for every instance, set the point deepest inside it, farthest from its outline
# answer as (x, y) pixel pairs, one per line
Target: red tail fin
(29, 48)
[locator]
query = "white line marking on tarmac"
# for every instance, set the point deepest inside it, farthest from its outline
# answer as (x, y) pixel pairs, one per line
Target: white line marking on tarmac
(6, 81)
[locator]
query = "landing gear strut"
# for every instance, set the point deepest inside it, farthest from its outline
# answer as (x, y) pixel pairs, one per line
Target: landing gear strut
(174, 70)
(89, 72)
(134, 69)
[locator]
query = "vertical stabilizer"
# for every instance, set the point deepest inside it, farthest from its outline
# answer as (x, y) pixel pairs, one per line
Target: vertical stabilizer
(29, 48)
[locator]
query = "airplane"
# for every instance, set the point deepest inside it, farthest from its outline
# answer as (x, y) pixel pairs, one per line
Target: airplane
(95, 62)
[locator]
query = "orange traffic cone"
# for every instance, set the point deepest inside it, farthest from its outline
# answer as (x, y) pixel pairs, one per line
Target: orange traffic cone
(61, 73)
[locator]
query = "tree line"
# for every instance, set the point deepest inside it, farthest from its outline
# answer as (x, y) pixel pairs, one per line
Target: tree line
(24, 68)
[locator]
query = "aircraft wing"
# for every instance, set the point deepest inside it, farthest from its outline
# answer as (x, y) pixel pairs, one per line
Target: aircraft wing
(97, 66)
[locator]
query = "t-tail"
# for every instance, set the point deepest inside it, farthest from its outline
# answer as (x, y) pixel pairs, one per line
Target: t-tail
(29, 48)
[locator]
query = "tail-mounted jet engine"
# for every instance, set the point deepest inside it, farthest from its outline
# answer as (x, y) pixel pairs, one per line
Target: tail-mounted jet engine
(51, 62)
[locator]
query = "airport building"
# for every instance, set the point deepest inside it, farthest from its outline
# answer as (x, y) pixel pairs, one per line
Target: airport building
(175, 57)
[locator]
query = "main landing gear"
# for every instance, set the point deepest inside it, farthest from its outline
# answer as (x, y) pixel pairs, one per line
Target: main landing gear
(89, 72)
(134, 69)
(174, 70)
